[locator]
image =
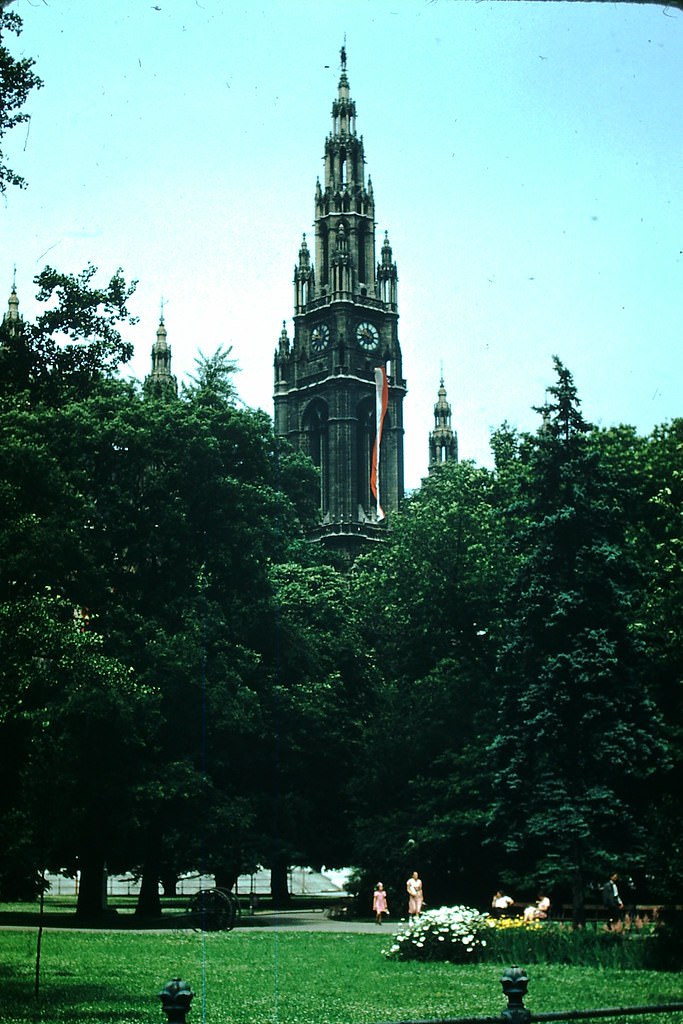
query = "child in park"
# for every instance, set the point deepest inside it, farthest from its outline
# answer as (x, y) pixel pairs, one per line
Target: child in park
(379, 902)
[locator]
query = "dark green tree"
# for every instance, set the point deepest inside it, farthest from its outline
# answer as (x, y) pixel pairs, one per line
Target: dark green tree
(17, 79)
(661, 627)
(316, 705)
(74, 343)
(577, 728)
(156, 521)
(428, 600)
(74, 721)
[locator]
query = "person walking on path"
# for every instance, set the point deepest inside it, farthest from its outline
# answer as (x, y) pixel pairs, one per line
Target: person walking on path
(379, 902)
(612, 900)
(415, 894)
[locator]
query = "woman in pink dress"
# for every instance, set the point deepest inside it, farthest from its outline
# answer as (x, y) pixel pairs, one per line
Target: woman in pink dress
(379, 902)
(415, 897)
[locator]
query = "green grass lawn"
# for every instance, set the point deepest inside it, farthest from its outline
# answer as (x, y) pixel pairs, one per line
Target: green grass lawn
(289, 977)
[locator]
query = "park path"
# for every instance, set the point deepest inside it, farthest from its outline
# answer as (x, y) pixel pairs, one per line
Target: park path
(261, 921)
(309, 921)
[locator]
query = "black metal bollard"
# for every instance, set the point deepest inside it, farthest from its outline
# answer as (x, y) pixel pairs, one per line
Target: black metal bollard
(515, 983)
(176, 996)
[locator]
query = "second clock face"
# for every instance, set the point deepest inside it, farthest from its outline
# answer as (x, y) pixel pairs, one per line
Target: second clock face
(367, 335)
(320, 336)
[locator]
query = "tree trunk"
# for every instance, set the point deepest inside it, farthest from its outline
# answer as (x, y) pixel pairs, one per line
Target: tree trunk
(226, 878)
(169, 881)
(92, 890)
(279, 883)
(149, 901)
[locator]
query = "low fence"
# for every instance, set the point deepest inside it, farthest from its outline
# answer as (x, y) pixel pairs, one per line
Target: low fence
(177, 995)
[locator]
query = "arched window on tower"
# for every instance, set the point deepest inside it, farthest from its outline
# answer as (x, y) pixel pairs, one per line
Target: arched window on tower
(324, 240)
(314, 428)
(365, 440)
(361, 251)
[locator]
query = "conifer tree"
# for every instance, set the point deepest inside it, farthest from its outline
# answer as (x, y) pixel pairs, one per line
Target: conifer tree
(575, 724)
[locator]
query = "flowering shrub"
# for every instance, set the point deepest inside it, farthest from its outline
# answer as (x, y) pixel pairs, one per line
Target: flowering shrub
(449, 933)
(516, 923)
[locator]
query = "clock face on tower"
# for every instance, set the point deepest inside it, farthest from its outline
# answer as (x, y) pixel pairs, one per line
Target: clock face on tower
(320, 336)
(367, 335)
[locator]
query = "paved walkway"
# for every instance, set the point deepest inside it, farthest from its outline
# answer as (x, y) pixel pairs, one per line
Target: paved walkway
(308, 921)
(262, 920)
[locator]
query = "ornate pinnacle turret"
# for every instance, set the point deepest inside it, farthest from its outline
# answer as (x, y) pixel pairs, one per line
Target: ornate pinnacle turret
(443, 440)
(282, 361)
(304, 254)
(12, 317)
(387, 275)
(283, 342)
(160, 382)
(304, 278)
(343, 80)
(13, 305)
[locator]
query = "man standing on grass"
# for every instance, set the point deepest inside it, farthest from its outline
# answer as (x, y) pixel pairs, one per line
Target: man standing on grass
(612, 900)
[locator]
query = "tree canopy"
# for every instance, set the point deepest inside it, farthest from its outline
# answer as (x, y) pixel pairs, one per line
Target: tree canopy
(17, 79)
(188, 683)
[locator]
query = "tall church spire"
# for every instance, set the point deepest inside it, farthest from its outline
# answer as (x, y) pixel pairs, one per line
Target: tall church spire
(345, 328)
(161, 383)
(443, 440)
(344, 207)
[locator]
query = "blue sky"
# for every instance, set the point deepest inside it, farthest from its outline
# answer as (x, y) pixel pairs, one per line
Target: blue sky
(527, 162)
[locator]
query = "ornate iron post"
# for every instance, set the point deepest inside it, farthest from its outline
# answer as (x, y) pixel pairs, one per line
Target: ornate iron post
(515, 983)
(176, 996)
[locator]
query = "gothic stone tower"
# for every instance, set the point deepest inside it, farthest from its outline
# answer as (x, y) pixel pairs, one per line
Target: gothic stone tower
(443, 440)
(161, 383)
(345, 327)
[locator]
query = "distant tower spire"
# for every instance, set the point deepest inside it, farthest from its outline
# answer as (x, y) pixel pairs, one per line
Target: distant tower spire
(161, 383)
(443, 440)
(12, 317)
(545, 414)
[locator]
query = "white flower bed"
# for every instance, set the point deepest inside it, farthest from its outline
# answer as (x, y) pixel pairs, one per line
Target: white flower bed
(449, 933)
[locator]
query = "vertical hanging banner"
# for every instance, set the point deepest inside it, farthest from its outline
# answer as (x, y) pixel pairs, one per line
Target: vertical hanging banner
(381, 402)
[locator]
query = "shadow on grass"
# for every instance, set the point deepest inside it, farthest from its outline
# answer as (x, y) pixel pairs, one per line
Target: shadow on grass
(110, 920)
(69, 1000)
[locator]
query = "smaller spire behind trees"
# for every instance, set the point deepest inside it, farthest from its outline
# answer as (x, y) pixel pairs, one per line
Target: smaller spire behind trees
(443, 440)
(161, 383)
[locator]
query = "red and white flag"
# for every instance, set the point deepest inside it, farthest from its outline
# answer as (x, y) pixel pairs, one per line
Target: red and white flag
(381, 402)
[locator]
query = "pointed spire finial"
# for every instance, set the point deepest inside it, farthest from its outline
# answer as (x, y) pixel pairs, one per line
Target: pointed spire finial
(283, 341)
(161, 313)
(13, 305)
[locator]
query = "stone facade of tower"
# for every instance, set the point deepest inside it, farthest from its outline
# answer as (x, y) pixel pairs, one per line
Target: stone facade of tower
(443, 440)
(160, 382)
(345, 326)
